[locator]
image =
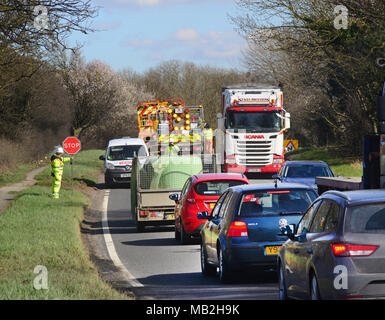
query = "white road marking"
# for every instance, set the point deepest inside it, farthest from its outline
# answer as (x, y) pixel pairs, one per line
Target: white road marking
(111, 247)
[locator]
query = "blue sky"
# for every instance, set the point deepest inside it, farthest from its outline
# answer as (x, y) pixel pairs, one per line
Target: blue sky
(139, 34)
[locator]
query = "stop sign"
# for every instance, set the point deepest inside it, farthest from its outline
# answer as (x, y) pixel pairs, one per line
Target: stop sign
(71, 145)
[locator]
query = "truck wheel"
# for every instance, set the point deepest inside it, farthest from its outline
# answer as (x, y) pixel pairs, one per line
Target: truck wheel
(184, 237)
(139, 226)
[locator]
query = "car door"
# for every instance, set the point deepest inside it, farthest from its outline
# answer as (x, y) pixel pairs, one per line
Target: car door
(292, 262)
(180, 204)
(316, 253)
(306, 248)
(217, 225)
(207, 231)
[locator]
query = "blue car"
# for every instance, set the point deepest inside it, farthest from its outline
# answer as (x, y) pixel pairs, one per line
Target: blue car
(243, 230)
(303, 172)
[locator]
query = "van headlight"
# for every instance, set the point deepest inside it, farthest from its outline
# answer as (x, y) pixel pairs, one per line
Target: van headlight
(110, 166)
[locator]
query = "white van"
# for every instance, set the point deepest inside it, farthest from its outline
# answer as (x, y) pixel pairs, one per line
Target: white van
(118, 159)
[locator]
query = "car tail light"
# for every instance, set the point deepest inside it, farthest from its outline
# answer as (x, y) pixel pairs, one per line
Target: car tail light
(352, 250)
(238, 229)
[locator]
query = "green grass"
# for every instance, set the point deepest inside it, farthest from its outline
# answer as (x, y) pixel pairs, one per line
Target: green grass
(86, 166)
(37, 230)
(16, 174)
(345, 166)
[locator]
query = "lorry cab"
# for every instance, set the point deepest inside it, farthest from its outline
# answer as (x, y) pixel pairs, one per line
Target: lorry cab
(118, 159)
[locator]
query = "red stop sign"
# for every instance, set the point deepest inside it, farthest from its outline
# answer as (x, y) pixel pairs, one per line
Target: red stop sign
(71, 145)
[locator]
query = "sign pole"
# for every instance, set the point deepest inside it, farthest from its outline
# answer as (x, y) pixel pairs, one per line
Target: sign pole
(72, 146)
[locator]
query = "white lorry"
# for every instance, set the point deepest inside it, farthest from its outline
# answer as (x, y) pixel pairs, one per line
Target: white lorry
(253, 122)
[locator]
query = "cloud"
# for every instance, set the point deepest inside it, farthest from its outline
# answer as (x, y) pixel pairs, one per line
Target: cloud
(149, 3)
(189, 44)
(186, 35)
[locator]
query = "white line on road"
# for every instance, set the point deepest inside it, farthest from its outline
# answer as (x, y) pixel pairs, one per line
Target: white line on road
(111, 247)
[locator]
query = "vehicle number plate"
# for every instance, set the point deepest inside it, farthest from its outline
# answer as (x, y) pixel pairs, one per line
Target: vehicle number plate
(171, 217)
(254, 170)
(272, 250)
(124, 175)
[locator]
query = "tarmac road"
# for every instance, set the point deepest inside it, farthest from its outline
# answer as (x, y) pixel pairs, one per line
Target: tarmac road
(166, 270)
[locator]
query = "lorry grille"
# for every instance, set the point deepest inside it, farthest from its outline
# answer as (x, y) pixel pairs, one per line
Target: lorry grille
(254, 153)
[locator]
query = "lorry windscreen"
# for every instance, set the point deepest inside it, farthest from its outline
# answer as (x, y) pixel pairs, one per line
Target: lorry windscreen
(261, 121)
(118, 153)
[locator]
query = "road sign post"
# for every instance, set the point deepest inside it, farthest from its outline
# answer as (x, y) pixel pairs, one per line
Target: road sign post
(72, 146)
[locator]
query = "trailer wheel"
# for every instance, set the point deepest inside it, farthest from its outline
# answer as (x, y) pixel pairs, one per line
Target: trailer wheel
(139, 226)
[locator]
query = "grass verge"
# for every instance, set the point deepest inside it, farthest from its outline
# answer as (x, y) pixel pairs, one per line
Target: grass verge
(344, 166)
(16, 174)
(39, 231)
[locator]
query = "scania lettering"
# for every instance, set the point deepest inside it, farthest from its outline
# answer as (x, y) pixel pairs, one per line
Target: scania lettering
(253, 121)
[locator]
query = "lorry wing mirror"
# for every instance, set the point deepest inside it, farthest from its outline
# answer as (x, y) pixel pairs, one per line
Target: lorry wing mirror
(287, 120)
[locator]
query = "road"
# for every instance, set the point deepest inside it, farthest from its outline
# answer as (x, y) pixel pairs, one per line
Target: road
(167, 270)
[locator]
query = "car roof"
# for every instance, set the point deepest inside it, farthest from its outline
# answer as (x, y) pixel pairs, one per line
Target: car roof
(219, 176)
(125, 141)
(304, 162)
(271, 186)
(356, 197)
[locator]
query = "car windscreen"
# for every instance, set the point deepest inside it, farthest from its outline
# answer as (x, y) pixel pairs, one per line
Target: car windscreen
(275, 202)
(307, 171)
(368, 218)
(117, 153)
(215, 188)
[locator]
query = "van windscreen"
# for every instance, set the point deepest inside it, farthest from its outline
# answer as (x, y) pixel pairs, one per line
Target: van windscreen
(117, 153)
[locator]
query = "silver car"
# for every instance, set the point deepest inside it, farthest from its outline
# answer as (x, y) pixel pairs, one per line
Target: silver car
(337, 251)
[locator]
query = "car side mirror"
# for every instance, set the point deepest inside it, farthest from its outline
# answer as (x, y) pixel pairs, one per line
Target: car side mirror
(288, 231)
(102, 158)
(174, 197)
(276, 176)
(204, 215)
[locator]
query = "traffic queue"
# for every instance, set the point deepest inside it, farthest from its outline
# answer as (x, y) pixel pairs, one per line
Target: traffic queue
(322, 247)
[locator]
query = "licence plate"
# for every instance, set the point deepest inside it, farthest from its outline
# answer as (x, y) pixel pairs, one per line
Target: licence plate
(124, 175)
(254, 170)
(171, 217)
(272, 250)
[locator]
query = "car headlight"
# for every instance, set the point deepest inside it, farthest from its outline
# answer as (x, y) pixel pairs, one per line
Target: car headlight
(110, 166)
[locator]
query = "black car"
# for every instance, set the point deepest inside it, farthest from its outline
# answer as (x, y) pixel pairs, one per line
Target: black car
(337, 250)
(243, 230)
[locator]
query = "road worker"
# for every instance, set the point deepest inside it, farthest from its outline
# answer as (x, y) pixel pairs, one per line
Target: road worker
(173, 149)
(57, 165)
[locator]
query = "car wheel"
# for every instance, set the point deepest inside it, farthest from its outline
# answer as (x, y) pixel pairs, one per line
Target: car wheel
(314, 289)
(207, 269)
(177, 234)
(225, 275)
(184, 237)
(282, 283)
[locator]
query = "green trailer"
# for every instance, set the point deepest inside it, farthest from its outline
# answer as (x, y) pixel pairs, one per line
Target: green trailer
(153, 179)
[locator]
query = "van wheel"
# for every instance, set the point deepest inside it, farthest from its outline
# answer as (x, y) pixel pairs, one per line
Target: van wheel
(108, 181)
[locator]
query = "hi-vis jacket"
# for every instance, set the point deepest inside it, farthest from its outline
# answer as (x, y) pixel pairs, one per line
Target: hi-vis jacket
(57, 166)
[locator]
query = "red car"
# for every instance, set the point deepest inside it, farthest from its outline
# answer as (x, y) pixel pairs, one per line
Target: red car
(200, 193)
